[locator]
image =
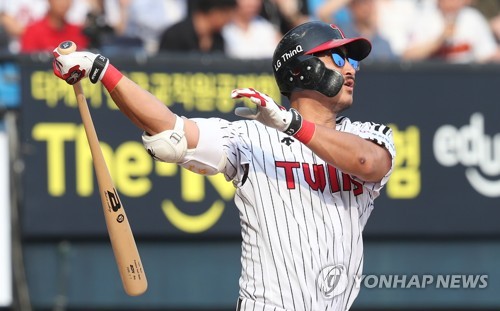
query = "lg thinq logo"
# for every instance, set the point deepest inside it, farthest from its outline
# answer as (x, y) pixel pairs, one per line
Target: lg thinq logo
(478, 152)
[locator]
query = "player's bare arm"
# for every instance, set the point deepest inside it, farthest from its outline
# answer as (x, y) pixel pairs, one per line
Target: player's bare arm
(351, 154)
(141, 107)
(147, 112)
(345, 151)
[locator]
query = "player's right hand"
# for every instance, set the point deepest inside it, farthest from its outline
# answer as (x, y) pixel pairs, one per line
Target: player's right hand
(267, 111)
(78, 65)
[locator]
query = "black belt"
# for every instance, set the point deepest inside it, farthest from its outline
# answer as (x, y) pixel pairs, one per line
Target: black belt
(238, 304)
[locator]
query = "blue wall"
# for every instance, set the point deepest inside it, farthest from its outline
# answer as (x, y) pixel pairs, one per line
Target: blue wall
(205, 274)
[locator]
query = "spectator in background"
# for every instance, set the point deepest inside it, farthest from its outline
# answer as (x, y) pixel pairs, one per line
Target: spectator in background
(249, 35)
(454, 32)
(495, 26)
(330, 11)
(286, 14)
(396, 20)
(4, 39)
(491, 10)
(201, 30)
(363, 22)
(52, 29)
(141, 22)
(15, 15)
(97, 26)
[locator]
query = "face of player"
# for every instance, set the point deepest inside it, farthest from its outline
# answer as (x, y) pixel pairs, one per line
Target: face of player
(338, 59)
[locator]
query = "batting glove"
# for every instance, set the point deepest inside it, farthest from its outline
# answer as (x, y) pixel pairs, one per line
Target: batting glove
(78, 65)
(267, 111)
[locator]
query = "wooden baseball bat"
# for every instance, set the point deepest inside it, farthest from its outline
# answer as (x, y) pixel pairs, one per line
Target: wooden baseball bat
(121, 235)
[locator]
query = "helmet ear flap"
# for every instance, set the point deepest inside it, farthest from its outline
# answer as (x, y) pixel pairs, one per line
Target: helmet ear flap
(310, 73)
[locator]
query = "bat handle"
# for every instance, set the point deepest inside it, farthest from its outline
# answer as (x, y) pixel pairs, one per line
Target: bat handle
(66, 47)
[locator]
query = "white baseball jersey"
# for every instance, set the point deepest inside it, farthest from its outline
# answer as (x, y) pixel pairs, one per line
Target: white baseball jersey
(299, 216)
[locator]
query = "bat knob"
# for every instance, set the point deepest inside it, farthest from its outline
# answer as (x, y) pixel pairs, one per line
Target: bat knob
(66, 47)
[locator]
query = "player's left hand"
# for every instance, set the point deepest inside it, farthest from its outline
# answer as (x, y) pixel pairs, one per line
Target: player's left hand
(78, 65)
(267, 111)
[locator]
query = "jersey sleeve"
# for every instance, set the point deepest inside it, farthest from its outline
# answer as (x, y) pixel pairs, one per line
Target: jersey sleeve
(225, 139)
(382, 136)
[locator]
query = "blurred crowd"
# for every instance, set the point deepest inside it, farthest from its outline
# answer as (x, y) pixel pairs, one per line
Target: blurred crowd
(455, 31)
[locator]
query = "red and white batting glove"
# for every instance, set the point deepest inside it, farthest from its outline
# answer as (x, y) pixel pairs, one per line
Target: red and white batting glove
(269, 113)
(78, 65)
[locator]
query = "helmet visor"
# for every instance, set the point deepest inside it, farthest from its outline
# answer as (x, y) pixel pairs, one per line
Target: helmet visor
(357, 48)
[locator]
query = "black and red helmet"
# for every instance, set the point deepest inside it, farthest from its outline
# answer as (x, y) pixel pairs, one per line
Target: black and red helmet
(295, 67)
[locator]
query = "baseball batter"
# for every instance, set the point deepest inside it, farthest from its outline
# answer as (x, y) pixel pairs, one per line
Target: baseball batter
(306, 177)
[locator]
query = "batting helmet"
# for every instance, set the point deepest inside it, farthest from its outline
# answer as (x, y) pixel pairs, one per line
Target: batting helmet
(296, 68)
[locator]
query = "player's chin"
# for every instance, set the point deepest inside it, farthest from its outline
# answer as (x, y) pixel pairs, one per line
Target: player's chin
(346, 95)
(343, 104)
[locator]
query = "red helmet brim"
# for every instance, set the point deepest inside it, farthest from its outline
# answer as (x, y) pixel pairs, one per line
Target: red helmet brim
(357, 48)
